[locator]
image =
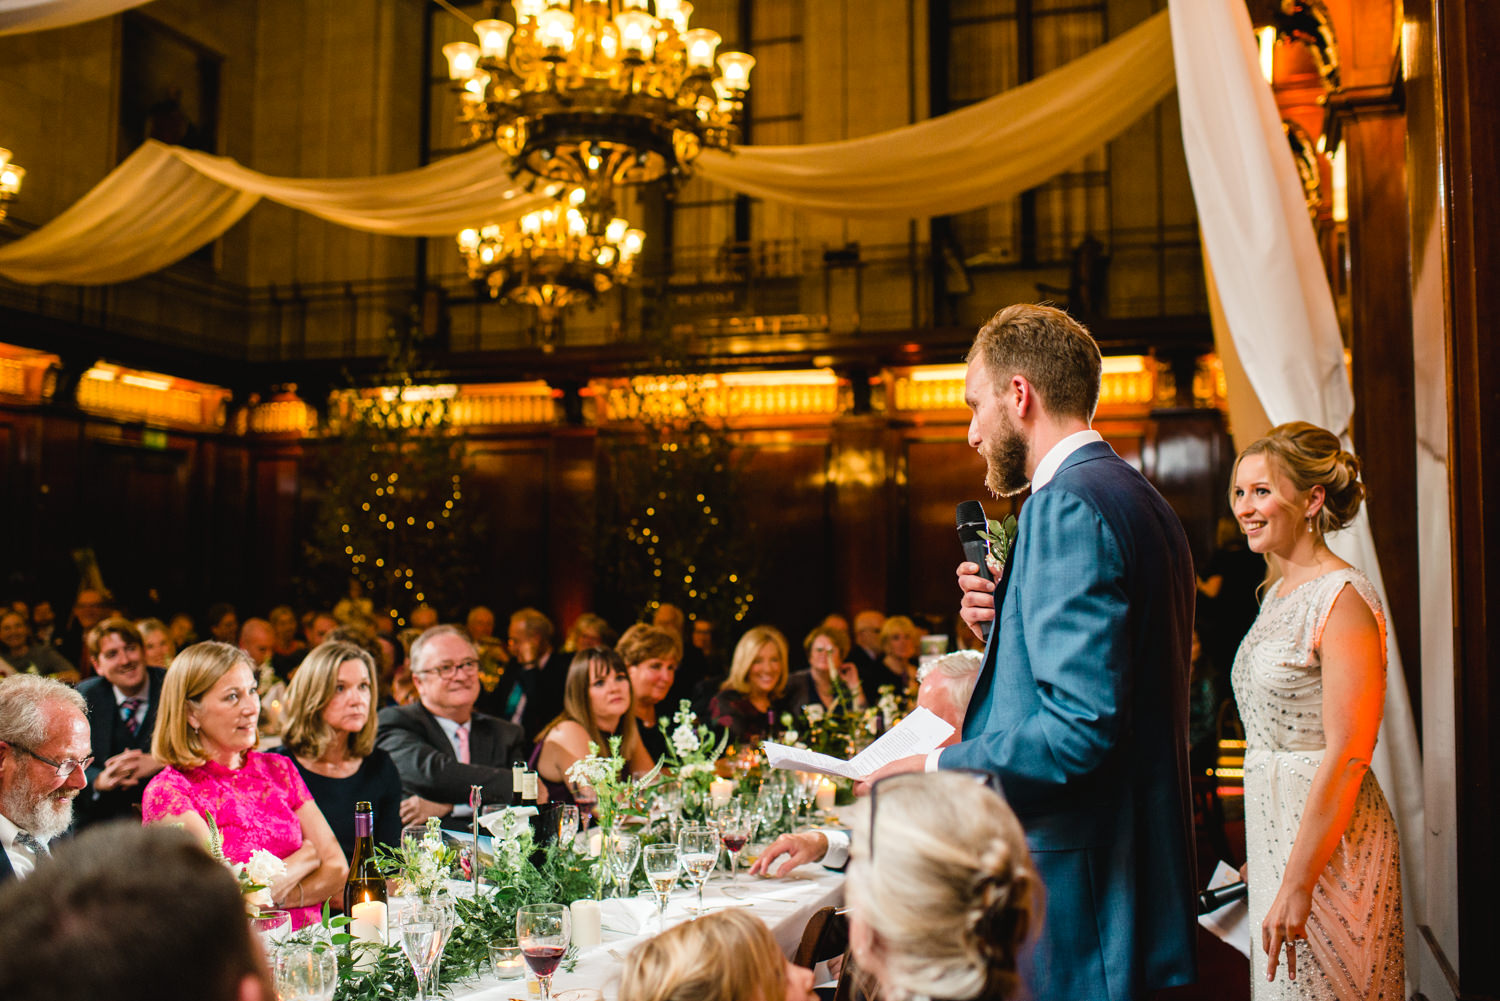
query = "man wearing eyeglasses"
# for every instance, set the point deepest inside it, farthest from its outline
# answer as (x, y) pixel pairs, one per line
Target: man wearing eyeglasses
(441, 746)
(44, 750)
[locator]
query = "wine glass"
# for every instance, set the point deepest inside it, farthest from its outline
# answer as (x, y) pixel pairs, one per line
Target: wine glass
(424, 932)
(769, 807)
(306, 971)
(623, 852)
(700, 853)
(273, 926)
(662, 863)
(734, 831)
(587, 799)
(567, 824)
(544, 931)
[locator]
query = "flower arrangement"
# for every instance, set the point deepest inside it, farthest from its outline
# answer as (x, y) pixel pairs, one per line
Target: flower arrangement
(424, 865)
(844, 729)
(693, 753)
(617, 790)
(254, 876)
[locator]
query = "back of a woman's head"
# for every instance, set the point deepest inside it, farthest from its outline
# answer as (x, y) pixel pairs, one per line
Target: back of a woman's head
(946, 885)
(725, 956)
(1309, 456)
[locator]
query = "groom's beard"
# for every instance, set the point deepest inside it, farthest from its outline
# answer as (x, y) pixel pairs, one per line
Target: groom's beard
(1005, 462)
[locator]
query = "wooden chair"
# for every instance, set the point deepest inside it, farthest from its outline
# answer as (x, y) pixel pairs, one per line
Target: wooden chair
(826, 937)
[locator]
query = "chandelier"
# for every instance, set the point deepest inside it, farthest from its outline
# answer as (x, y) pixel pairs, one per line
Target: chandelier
(549, 259)
(599, 93)
(11, 176)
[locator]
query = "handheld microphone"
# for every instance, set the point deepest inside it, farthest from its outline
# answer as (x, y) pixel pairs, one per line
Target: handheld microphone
(1211, 900)
(971, 521)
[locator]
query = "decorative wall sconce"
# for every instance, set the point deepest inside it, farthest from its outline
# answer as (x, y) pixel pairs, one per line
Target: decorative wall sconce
(11, 176)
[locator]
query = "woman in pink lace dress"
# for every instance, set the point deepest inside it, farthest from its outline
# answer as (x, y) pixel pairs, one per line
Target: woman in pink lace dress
(206, 734)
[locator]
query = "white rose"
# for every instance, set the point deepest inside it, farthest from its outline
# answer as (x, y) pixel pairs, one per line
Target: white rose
(264, 868)
(814, 714)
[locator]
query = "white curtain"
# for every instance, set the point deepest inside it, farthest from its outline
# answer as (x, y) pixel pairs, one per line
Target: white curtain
(18, 16)
(980, 155)
(1280, 314)
(164, 202)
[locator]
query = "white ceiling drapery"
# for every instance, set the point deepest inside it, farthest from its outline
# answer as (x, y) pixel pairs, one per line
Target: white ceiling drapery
(18, 16)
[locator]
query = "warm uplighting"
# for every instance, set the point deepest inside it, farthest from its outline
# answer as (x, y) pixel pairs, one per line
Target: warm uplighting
(11, 176)
(551, 258)
(600, 93)
(1340, 183)
(1267, 38)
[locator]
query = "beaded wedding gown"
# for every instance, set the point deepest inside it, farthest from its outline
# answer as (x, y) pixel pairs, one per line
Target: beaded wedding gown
(1354, 949)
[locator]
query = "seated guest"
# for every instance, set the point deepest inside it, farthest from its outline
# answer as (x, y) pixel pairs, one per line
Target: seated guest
(26, 657)
(899, 642)
(596, 706)
(827, 649)
(751, 701)
(329, 731)
(157, 647)
(866, 652)
(724, 956)
(531, 692)
(182, 632)
(206, 735)
(287, 648)
(130, 914)
(440, 745)
(588, 631)
(122, 698)
(258, 639)
(44, 750)
(942, 892)
(651, 656)
(223, 623)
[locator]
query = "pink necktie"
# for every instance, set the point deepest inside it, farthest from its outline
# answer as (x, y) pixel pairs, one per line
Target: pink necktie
(463, 743)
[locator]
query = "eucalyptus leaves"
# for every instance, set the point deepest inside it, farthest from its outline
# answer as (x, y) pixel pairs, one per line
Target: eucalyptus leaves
(999, 538)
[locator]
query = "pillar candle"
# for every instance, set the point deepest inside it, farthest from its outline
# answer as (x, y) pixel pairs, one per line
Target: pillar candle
(826, 793)
(720, 790)
(586, 923)
(367, 921)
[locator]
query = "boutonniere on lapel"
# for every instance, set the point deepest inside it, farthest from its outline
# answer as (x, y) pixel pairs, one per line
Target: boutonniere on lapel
(999, 539)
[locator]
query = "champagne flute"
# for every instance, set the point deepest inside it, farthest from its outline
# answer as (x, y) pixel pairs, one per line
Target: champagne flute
(567, 824)
(623, 851)
(544, 931)
(662, 863)
(700, 853)
(424, 932)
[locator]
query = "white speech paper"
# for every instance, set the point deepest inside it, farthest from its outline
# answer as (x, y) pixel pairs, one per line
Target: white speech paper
(921, 732)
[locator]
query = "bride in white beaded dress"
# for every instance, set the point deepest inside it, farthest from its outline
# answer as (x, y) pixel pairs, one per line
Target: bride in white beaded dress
(1323, 858)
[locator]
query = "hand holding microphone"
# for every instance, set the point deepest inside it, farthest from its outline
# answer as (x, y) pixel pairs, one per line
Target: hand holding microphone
(974, 578)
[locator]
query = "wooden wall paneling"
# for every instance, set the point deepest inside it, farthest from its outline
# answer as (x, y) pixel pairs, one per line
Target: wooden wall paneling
(276, 476)
(132, 517)
(783, 479)
(233, 546)
(511, 478)
(1470, 136)
(1186, 453)
(572, 504)
(860, 520)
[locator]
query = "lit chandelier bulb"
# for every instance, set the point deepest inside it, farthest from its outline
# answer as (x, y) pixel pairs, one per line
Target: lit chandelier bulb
(554, 30)
(494, 37)
(463, 59)
(632, 243)
(615, 231)
(637, 34)
(468, 241)
(577, 225)
(680, 13)
(700, 43)
(527, 10)
(735, 68)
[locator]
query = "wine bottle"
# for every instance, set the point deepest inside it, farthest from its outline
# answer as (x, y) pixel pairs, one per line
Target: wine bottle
(364, 892)
(528, 788)
(517, 771)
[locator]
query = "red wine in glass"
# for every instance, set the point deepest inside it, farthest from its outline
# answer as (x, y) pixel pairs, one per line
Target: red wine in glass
(544, 959)
(734, 842)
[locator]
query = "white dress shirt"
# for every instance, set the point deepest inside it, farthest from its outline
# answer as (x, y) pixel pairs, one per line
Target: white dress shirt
(21, 858)
(451, 729)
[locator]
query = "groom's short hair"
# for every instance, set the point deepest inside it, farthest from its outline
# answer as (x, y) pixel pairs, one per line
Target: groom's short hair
(1050, 349)
(128, 913)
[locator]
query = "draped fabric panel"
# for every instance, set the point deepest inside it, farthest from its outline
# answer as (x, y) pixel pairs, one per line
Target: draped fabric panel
(1280, 316)
(17, 16)
(164, 202)
(979, 155)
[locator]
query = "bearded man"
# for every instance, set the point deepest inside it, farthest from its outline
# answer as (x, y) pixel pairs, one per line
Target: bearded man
(1081, 703)
(44, 751)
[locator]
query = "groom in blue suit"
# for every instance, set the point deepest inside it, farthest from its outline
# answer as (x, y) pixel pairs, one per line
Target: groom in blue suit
(1081, 704)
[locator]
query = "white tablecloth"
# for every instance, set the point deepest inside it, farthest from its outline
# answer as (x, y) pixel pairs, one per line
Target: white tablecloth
(784, 904)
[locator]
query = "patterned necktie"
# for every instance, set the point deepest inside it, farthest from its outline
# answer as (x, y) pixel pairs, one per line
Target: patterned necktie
(130, 713)
(463, 743)
(38, 850)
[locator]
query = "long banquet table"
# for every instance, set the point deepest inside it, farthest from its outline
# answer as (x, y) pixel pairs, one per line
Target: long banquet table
(784, 904)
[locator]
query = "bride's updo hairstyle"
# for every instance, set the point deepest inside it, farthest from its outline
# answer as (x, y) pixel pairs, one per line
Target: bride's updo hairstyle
(1309, 456)
(942, 881)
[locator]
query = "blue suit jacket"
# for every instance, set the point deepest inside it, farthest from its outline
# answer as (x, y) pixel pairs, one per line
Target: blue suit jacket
(1081, 709)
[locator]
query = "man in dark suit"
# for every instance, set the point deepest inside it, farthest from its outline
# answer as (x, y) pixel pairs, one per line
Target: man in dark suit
(530, 693)
(44, 749)
(122, 702)
(1081, 703)
(441, 746)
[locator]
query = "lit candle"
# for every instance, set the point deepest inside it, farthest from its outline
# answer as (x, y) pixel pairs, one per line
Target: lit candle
(367, 921)
(720, 790)
(587, 923)
(596, 842)
(826, 793)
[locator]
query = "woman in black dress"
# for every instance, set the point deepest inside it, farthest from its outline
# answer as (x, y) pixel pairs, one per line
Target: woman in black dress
(330, 734)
